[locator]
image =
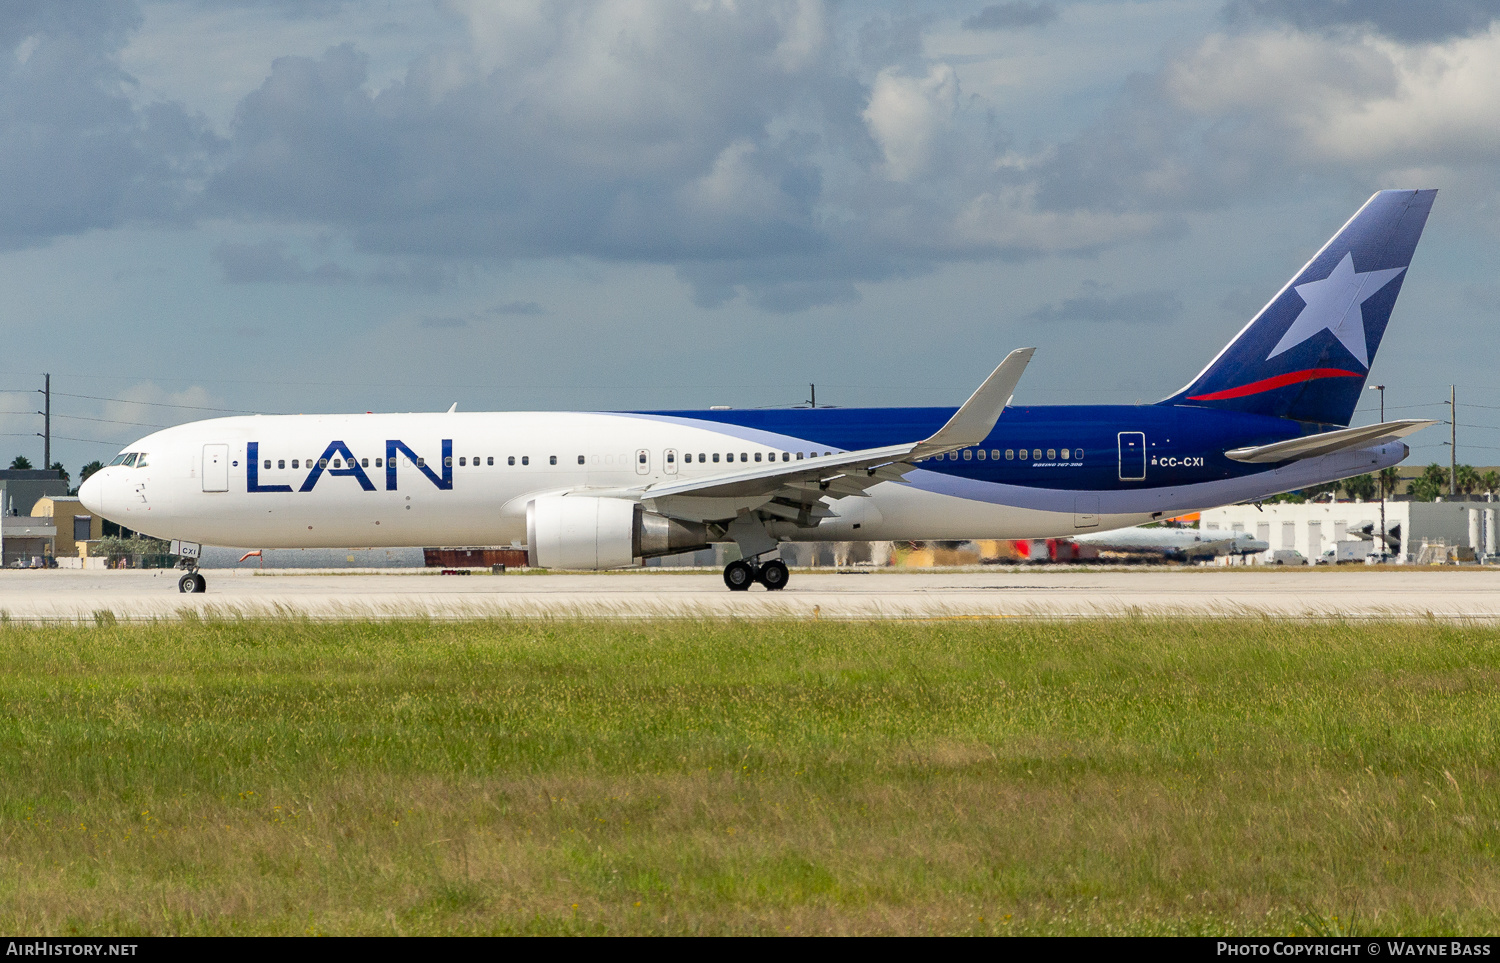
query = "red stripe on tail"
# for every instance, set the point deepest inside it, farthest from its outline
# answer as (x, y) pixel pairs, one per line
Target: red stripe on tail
(1280, 381)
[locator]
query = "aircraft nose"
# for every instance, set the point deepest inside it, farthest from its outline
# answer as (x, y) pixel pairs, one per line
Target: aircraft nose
(91, 493)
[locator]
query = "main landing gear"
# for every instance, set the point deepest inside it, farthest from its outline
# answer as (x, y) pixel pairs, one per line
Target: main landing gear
(739, 576)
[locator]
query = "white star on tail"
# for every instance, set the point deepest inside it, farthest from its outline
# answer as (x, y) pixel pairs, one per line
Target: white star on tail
(1334, 304)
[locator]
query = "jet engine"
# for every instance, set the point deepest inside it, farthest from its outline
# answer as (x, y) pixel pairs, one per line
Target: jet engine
(583, 531)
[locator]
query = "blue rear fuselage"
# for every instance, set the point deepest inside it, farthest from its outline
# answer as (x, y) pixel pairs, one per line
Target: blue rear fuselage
(1178, 444)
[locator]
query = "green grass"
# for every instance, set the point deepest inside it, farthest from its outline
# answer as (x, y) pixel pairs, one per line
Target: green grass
(1122, 776)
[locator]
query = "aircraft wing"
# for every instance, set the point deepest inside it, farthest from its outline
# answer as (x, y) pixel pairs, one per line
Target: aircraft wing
(794, 490)
(1311, 446)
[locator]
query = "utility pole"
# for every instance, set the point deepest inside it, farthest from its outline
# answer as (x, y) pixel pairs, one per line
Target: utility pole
(46, 414)
(813, 402)
(1380, 482)
(1452, 443)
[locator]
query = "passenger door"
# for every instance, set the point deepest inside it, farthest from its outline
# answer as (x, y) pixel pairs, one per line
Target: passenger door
(1132, 455)
(216, 468)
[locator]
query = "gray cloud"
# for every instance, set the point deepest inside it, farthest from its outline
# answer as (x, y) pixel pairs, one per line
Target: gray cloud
(1145, 307)
(704, 139)
(523, 308)
(291, 9)
(418, 273)
(269, 262)
(1399, 19)
(416, 168)
(76, 152)
(891, 40)
(1147, 153)
(1208, 130)
(1011, 15)
(761, 157)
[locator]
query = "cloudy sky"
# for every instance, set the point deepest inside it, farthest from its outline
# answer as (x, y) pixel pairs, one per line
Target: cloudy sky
(284, 206)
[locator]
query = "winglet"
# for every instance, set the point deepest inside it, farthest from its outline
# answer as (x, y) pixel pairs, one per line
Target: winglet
(973, 422)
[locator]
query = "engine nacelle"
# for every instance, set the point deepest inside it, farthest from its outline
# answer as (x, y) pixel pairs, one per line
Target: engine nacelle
(584, 531)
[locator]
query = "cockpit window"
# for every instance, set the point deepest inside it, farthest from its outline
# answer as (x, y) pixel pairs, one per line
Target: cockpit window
(119, 459)
(129, 459)
(140, 462)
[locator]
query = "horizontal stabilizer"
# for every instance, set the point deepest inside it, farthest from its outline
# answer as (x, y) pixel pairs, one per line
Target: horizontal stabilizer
(1311, 446)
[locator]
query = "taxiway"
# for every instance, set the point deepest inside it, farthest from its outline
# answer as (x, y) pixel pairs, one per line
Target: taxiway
(1470, 594)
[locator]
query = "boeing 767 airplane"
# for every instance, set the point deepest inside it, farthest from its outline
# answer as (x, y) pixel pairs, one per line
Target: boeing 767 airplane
(598, 490)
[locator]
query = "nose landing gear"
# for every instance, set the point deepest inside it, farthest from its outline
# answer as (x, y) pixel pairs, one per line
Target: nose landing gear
(187, 554)
(739, 576)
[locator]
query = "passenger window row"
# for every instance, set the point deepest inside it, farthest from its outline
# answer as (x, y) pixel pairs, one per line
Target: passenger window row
(464, 460)
(1013, 454)
(745, 456)
(333, 462)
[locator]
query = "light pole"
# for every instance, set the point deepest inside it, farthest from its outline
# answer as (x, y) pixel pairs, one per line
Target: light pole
(1384, 545)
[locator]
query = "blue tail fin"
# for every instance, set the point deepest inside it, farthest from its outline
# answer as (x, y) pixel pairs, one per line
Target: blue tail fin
(1306, 355)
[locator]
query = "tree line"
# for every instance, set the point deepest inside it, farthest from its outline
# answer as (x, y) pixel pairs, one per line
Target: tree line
(1426, 487)
(22, 463)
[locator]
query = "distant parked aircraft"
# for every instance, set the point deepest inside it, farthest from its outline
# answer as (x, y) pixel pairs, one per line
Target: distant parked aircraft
(1188, 544)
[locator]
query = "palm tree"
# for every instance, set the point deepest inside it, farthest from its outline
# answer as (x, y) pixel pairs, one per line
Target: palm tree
(1437, 475)
(21, 463)
(1467, 479)
(1424, 489)
(1490, 480)
(87, 470)
(1389, 479)
(1361, 487)
(62, 472)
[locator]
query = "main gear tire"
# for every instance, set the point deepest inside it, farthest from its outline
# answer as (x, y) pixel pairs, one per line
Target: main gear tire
(739, 576)
(774, 575)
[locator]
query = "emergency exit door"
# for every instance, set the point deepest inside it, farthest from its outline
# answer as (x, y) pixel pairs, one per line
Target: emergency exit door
(216, 468)
(1132, 455)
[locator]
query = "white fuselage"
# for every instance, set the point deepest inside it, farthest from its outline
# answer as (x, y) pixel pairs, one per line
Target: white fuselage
(197, 483)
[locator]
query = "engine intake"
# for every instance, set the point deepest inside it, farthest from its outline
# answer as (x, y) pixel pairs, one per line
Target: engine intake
(588, 532)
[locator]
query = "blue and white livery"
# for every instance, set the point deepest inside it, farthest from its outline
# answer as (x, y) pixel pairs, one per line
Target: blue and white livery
(597, 490)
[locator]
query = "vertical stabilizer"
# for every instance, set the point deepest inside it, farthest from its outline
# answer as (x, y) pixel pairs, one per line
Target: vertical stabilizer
(1307, 354)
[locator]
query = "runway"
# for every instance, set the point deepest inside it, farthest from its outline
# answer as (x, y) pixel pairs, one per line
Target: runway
(1350, 593)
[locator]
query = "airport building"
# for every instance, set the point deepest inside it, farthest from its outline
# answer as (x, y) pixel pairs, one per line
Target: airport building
(26, 540)
(1465, 523)
(74, 525)
(20, 489)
